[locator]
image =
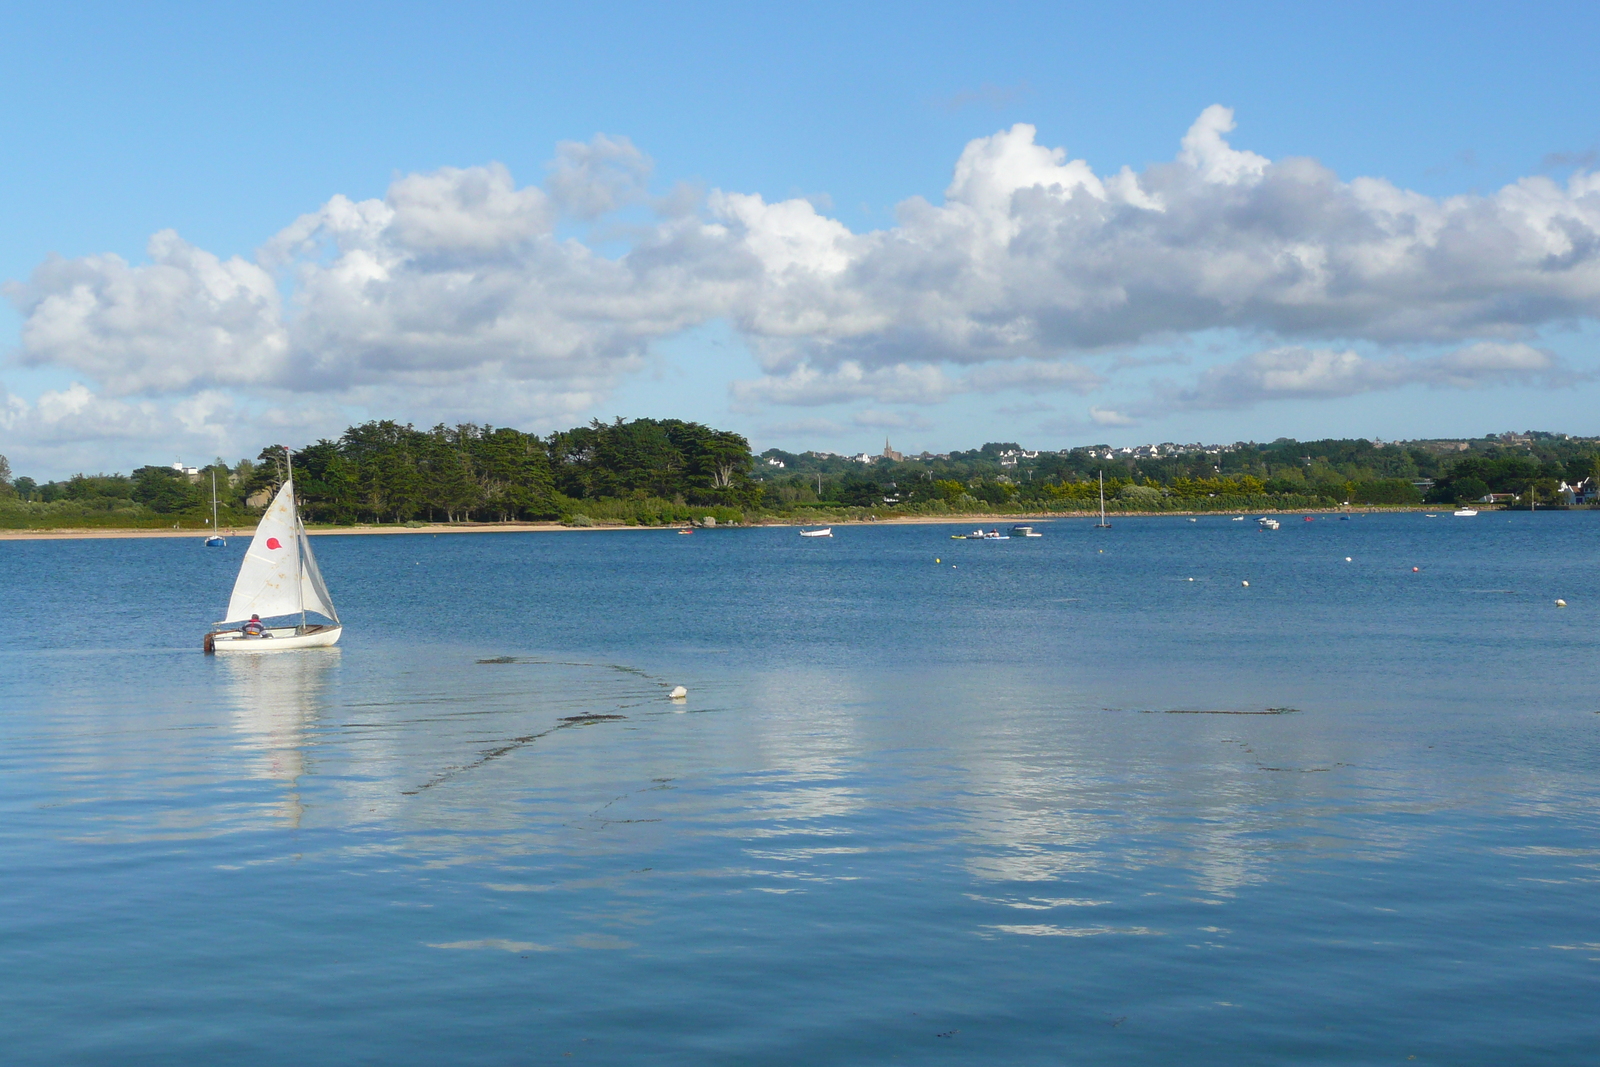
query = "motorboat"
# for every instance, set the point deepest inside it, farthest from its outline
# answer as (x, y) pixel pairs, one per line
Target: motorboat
(1025, 531)
(1268, 524)
(994, 535)
(1464, 513)
(826, 531)
(278, 579)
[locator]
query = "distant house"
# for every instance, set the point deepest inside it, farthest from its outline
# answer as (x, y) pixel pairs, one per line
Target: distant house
(1584, 492)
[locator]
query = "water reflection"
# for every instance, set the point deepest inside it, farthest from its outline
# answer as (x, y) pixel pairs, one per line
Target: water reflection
(275, 699)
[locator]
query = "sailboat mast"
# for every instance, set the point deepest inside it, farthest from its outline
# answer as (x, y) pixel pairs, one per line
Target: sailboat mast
(213, 501)
(299, 549)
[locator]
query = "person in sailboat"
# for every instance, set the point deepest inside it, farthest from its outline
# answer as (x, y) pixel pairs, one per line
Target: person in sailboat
(254, 628)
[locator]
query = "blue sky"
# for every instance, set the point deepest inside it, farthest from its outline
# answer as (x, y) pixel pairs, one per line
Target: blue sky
(225, 126)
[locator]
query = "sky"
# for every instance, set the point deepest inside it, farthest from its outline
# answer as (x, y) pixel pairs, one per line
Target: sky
(944, 224)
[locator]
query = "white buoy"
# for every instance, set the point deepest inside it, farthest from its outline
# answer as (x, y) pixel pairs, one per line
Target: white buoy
(1191, 579)
(1561, 603)
(1347, 559)
(679, 693)
(1246, 584)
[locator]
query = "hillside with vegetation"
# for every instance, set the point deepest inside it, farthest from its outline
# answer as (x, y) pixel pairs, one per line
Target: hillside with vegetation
(654, 472)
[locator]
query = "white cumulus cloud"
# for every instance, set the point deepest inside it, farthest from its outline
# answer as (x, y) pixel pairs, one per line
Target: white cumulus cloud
(460, 287)
(1321, 373)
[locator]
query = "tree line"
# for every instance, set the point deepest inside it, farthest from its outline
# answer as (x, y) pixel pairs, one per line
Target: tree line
(1285, 473)
(650, 470)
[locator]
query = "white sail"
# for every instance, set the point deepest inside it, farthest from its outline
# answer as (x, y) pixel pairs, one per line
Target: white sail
(273, 580)
(314, 592)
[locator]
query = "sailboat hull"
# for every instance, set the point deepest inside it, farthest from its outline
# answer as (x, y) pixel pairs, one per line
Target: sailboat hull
(283, 639)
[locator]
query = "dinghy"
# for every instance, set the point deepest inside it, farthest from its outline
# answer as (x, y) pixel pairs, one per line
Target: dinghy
(278, 579)
(826, 531)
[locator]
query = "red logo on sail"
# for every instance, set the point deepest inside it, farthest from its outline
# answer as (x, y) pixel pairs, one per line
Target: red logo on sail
(273, 542)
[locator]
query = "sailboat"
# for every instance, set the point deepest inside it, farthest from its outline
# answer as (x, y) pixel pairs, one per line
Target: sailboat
(216, 540)
(1102, 524)
(278, 578)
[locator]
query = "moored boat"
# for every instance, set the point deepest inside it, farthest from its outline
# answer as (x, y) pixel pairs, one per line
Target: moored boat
(1102, 524)
(826, 531)
(216, 540)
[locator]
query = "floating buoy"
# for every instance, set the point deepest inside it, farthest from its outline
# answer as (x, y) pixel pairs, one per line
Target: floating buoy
(1561, 603)
(936, 559)
(1191, 579)
(678, 693)
(1347, 559)
(1244, 584)
(1415, 569)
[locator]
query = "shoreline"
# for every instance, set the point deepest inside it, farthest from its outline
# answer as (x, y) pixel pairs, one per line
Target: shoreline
(115, 532)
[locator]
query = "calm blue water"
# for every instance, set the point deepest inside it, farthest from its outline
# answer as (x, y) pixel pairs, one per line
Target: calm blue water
(995, 809)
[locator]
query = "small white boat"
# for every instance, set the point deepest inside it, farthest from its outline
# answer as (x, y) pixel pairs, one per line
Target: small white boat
(1238, 518)
(826, 531)
(994, 535)
(1464, 513)
(216, 540)
(1268, 524)
(278, 578)
(1025, 531)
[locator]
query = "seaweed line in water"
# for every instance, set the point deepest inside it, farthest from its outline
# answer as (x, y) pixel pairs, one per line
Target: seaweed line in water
(574, 663)
(659, 784)
(510, 746)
